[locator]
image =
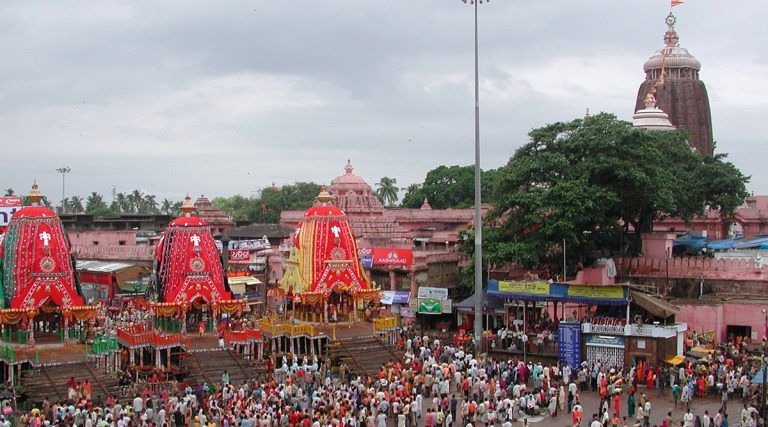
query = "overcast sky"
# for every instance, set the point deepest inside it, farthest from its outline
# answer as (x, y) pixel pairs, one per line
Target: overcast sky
(224, 97)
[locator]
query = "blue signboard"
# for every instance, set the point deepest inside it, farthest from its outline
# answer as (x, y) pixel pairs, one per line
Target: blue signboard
(569, 344)
(367, 261)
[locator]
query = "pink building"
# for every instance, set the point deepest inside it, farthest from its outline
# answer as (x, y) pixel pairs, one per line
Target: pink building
(737, 317)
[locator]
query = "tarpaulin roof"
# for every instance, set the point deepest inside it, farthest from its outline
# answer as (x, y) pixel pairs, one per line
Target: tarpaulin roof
(566, 292)
(490, 302)
(723, 244)
(656, 306)
(758, 242)
(690, 240)
(675, 360)
(759, 376)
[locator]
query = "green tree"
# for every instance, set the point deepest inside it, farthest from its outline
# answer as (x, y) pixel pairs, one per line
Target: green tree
(9, 192)
(414, 197)
(121, 203)
(93, 202)
(103, 211)
(149, 204)
(75, 205)
(166, 206)
(270, 201)
(386, 190)
(451, 187)
(588, 181)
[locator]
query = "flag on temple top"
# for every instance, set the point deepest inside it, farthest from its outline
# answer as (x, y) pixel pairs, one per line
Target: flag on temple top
(674, 3)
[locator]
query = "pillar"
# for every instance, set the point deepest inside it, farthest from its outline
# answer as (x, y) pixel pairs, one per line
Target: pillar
(392, 280)
(66, 326)
(260, 349)
(312, 346)
(158, 360)
(131, 356)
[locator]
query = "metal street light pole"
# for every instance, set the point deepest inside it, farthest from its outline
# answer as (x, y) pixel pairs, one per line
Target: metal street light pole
(478, 326)
(63, 171)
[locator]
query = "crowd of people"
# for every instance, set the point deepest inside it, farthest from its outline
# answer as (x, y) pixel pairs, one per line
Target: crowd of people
(435, 384)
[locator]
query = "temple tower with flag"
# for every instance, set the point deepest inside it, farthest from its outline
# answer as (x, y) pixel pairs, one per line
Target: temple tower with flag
(672, 79)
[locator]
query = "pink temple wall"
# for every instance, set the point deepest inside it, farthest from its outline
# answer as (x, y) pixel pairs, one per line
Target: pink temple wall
(102, 238)
(704, 318)
(693, 268)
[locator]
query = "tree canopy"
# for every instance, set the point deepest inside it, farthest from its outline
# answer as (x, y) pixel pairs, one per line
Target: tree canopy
(593, 181)
(265, 207)
(449, 187)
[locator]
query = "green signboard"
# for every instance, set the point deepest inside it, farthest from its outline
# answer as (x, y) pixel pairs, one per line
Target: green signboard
(430, 306)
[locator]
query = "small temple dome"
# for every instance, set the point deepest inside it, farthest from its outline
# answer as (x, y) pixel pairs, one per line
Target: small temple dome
(349, 181)
(651, 117)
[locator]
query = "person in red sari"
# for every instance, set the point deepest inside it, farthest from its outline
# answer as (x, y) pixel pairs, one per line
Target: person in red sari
(702, 384)
(649, 378)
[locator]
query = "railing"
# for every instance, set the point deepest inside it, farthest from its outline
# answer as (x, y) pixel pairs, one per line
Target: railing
(244, 336)
(269, 326)
(385, 323)
(103, 345)
(19, 337)
(8, 353)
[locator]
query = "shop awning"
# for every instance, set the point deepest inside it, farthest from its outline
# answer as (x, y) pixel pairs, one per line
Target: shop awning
(703, 350)
(395, 297)
(675, 360)
(656, 306)
(490, 303)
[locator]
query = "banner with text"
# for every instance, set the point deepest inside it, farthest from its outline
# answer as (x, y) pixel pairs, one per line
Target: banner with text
(251, 245)
(239, 255)
(389, 256)
(8, 206)
(433, 293)
(535, 288)
(590, 291)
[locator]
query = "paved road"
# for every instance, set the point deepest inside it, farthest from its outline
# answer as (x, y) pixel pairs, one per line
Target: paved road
(660, 405)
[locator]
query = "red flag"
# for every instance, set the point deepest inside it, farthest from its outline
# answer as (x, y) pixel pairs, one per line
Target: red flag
(674, 3)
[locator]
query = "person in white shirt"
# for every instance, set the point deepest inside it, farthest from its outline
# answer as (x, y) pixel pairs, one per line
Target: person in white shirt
(688, 419)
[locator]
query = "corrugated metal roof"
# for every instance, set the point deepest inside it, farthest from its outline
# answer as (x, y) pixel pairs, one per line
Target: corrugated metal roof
(101, 266)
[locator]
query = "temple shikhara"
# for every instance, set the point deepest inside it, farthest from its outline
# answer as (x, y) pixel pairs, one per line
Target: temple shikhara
(677, 95)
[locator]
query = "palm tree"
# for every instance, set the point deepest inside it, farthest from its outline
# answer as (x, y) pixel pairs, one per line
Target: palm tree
(9, 192)
(135, 199)
(387, 190)
(94, 201)
(121, 203)
(149, 204)
(75, 205)
(166, 206)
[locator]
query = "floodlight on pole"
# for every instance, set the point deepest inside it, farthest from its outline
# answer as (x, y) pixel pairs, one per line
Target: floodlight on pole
(64, 171)
(478, 326)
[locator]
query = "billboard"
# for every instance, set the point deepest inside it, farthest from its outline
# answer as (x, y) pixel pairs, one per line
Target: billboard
(569, 343)
(8, 206)
(394, 257)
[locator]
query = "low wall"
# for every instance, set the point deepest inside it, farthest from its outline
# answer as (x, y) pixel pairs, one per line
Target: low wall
(115, 253)
(693, 268)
